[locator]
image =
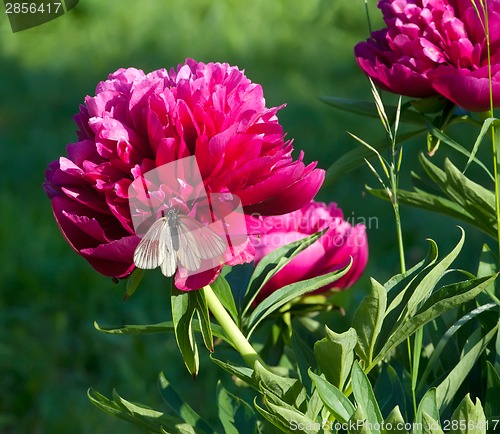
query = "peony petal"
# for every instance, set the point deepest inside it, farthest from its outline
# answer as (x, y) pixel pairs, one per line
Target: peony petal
(468, 89)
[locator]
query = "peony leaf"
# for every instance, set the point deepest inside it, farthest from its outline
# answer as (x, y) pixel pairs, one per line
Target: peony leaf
(365, 398)
(200, 303)
(304, 358)
(492, 401)
(488, 266)
(290, 390)
(356, 158)
(183, 309)
(358, 422)
(468, 418)
(287, 420)
(335, 401)
(446, 391)
(430, 425)
(283, 295)
(389, 390)
(335, 355)
(438, 349)
(368, 321)
(285, 417)
(440, 302)
(223, 292)
(147, 419)
(443, 137)
(271, 264)
(241, 372)
(432, 202)
(163, 327)
(180, 408)
(428, 405)
(235, 414)
(484, 129)
(394, 423)
(369, 109)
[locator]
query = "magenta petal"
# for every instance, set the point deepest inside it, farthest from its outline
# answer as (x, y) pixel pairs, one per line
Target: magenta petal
(291, 198)
(396, 78)
(196, 281)
(114, 259)
(468, 89)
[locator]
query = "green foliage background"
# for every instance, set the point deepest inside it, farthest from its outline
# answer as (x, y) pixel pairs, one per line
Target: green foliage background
(50, 352)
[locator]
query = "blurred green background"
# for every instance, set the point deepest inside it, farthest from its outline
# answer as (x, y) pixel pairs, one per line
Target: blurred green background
(50, 353)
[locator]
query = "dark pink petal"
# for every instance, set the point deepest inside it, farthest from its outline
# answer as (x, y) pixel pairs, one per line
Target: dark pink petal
(468, 89)
(292, 197)
(114, 259)
(196, 281)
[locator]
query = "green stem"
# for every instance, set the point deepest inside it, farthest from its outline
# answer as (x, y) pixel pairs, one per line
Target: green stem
(399, 231)
(496, 158)
(496, 161)
(239, 341)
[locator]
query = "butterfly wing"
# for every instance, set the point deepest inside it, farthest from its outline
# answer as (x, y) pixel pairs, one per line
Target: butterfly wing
(169, 264)
(188, 253)
(197, 242)
(150, 252)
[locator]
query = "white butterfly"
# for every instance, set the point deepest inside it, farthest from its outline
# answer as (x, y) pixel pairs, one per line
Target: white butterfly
(177, 238)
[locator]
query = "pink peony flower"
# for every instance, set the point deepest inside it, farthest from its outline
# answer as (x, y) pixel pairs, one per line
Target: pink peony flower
(331, 252)
(137, 122)
(435, 47)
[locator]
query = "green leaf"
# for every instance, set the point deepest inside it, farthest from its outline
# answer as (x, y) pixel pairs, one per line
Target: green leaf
(430, 425)
(242, 372)
(285, 417)
(356, 158)
(484, 129)
(405, 303)
(487, 267)
(236, 416)
(428, 404)
(369, 109)
(335, 355)
(394, 423)
(436, 353)
(492, 401)
(446, 391)
(200, 303)
(468, 417)
(368, 321)
(389, 390)
(440, 135)
(223, 292)
(431, 202)
(399, 293)
(273, 262)
(290, 390)
(478, 201)
(358, 423)
(304, 357)
(147, 419)
(283, 295)
(363, 108)
(440, 302)
(180, 408)
(162, 327)
(335, 401)
(183, 309)
(365, 398)
(133, 282)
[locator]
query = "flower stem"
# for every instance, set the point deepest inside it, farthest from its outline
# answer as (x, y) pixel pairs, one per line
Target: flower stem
(239, 341)
(495, 149)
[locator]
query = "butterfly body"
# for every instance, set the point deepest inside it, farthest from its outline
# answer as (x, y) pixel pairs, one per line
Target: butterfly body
(174, 239)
